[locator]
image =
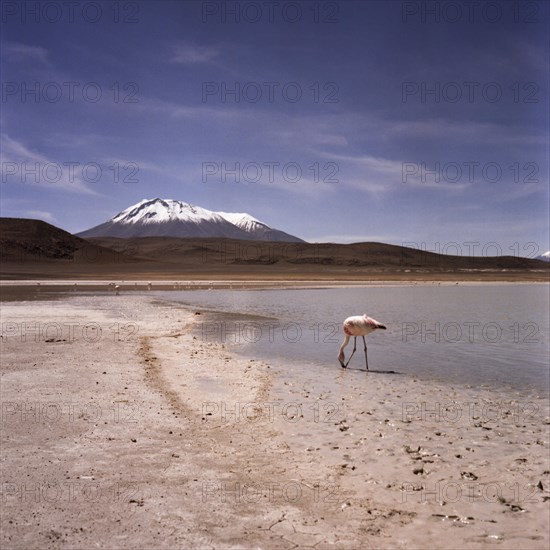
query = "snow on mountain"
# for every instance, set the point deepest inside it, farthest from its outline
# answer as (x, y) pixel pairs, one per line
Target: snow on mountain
(240, 220)
(251, 225)
(172, 218)
(162, 210)
(545, 256)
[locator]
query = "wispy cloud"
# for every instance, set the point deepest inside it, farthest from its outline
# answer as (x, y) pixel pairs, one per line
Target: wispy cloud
(41, 215)
(463, 130)
(173, 110)
(297, 179)
(516, 59)
(21, 165)
(330, 139)
(379, 175)
(193, 54)
(18, 52)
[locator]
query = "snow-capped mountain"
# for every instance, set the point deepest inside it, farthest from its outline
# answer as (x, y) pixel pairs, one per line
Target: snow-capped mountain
(545, 257)
(172, 218)
(255, 228)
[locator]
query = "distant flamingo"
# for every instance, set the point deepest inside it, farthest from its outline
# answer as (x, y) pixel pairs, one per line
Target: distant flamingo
(358, 325)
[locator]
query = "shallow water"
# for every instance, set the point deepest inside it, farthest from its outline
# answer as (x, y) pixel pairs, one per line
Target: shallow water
(495, 335)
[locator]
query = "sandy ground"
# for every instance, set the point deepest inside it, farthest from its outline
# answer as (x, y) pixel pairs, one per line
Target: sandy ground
(121, 428)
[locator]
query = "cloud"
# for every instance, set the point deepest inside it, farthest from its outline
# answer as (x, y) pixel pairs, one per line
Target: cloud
(40, 215)
(193, 54)
(21, 165)
(336, 138)
(296, 178)
(515, 59)
(18, 52)
(464, 131)
(378, 175)
(173, 110)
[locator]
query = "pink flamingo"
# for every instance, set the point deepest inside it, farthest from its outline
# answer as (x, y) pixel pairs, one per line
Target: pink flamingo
(358, 325)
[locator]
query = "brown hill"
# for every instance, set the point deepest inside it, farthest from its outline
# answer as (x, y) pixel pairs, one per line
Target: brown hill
(35, 241)
(35, 249)
(230, 252)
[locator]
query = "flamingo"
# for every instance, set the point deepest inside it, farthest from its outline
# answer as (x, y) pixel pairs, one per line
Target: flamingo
(358, 325)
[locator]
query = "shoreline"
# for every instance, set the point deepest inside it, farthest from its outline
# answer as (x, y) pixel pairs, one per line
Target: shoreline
(197, 446)
(246, 350)
(14, 289)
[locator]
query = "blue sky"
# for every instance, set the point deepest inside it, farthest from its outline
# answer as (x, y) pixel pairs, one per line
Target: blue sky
(355, 120)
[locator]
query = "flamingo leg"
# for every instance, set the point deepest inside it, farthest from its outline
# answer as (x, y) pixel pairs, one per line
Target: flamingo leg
(354, 348)
(366, 358)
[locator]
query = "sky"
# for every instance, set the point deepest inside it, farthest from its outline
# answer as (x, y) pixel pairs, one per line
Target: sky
(408, 122)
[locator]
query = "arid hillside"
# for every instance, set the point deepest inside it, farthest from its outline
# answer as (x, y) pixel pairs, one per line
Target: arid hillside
(32, 249)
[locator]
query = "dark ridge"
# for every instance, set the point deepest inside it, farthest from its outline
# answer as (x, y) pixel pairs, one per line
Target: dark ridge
(29, 240)
(33, 248)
